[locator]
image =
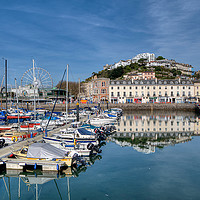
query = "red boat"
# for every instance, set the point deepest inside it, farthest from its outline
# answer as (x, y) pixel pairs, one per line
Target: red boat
(16, 117)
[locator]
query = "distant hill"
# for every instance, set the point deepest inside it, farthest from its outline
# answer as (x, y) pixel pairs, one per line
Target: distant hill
(118, 73)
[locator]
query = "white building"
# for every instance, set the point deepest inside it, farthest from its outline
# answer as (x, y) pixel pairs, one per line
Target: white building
(150, 91)
(26, 91)
(147, 56)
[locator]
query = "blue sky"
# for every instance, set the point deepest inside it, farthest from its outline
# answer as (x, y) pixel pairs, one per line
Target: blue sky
(87, 34)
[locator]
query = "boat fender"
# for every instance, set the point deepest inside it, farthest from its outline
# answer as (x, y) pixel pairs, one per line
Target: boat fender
(11, 155)
(35, 166)
(57, 167)
(90, 146)
(2, 141)
(14, 138)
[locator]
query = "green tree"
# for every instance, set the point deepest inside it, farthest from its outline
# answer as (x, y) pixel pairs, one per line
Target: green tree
(142, 61)
(160, 58)
(127, 69)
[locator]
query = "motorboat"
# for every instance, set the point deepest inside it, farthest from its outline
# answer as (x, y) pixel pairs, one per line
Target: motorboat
(15, 136)
(101, 120)
(43, 151)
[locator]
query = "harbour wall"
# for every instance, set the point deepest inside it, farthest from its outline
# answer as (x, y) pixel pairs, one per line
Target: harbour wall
(125, 107)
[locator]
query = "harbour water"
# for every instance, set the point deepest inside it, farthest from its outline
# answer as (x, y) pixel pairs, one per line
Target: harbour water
(151, 156)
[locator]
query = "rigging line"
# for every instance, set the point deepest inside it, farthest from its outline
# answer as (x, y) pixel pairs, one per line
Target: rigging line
(55, 101)
(71, 74)
(58, 189)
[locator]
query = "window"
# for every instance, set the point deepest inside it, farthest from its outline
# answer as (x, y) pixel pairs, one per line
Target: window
(136, 88)
(124, 94)
(189, 88)
(103, 91)
(130, 94)
(172, 87)
(165, 87)
(111, 88)
(148, 88)
(183, 87)
(136, 94)
(124, 88)
(178, 94)
(177, 87)
(118, 88)
(165, 93)
(112, 94)
(160, 88)
(154, 94)
(154, 87)
(172, 94)
(130, 88)
(103, 84)
(189, 94)
(183, 93)
(142, 88)
(118, 94)
(159, 93)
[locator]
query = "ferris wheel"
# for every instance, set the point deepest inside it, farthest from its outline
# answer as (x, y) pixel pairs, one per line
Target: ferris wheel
(38, 77)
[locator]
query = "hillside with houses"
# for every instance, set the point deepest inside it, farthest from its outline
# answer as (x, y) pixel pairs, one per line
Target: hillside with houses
(142, 65)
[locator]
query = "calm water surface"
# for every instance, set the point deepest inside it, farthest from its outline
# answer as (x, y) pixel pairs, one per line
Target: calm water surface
(152, 156)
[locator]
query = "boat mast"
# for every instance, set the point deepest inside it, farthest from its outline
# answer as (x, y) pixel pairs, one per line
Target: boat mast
(79, 91)
(2, 92)
(6, 82)
(34, 82)
(67, 96)
(17, 99)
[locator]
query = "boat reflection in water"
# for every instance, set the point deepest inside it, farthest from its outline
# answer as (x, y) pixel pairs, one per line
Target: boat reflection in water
(36, 178)
(146, 132)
